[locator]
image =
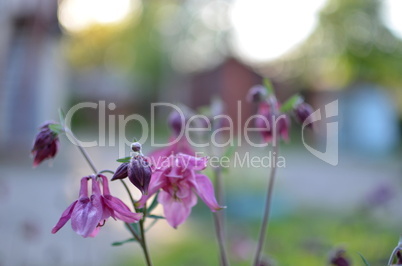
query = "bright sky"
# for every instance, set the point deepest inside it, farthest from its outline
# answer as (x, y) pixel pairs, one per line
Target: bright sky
(392, 16)
(263, 30)
(75, 15)
(266, 29)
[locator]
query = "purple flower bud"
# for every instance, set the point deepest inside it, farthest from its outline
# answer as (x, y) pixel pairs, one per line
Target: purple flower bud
(176, 122)
(139, 173)
(257, 94)
(121, 172)
(399, 258)
(302, 112)
(272, 123)
(339, 259)
(136, 147)
(45, 145)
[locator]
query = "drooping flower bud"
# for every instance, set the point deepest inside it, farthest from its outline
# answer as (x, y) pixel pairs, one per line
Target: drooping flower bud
(399, 258)
(302, 112)
(176, 122)
(139, 172)
(256, 94)
(339, 259)
(45, 145)
(121, 172)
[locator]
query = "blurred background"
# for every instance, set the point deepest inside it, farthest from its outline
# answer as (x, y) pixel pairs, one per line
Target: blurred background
(133, 53)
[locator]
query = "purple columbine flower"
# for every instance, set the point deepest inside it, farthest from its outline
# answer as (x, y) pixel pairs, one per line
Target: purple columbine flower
(271, 122)
(180, 182)
(302, 112)
(45, 145)
(90, 212)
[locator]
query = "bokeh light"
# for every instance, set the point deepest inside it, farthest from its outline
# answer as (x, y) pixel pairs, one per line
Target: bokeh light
(265, 30)
(75, 15)
(392, 16)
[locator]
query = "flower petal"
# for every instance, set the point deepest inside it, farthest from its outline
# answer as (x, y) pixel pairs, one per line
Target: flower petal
(65, 216)
(120, 210)
(206, 192)
(176, 211)
(95, 231)
(191, 162)
(86, 215)
(121, 172)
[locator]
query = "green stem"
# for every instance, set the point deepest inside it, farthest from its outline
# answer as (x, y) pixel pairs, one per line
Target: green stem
(129, 194)
(142, 239)
(106, 171)
(219, 218)
(267, 209)
(81, 149)
(144, 242)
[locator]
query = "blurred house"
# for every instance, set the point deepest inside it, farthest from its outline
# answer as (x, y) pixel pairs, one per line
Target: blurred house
(230, 81)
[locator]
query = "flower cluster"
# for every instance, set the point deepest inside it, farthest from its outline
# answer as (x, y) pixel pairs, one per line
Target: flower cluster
(273, 118)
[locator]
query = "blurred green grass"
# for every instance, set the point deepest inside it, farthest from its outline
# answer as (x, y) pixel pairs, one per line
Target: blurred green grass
(303, 238)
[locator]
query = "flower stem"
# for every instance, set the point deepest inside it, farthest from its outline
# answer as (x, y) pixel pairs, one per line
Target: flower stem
(219, 218)
(144, 242)
(81, 149)
(106, 171)
(141, 239)
(267, 208)
(129, 194)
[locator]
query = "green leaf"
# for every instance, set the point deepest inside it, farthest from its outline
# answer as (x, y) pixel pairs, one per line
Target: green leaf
(124, 160)
(151, 224)
(291, 103)
(133, 226)
(268, 86)
(155, 216)
(154, 203)
(56, 128)
(364, 259)
(119, 243)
